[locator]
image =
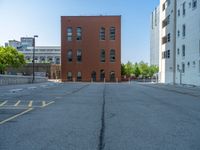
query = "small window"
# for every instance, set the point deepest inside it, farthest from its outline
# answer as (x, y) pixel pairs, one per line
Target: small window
(79, 77)
(183, 30)
(194, 3)
(103, 56)
(69, 34)
(178, 51)
(183, 68)
(184, 11)
(179, 12)
(164, 39)
(178, 68)
(168, 37)
(79, 55)
(78, 33)
(69, 76)
(112, 33)
(102, 33)
(178, 33)
(69, 55)
(112, 55)
(183, 50)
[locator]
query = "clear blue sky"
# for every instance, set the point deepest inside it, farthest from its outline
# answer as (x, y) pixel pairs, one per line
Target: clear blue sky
(42, 17)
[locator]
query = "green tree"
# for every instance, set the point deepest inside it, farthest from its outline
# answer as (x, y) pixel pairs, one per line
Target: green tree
(10, 57)
(123, 69)
(144, 69)
(152, 70)
(136, 70)
(129, 69)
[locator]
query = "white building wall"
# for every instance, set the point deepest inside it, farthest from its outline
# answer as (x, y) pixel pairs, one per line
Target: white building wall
(154, 37)
(191, 40)
(167, 59)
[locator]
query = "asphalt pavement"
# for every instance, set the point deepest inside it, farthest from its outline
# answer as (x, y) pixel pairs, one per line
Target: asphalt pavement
(98, 116)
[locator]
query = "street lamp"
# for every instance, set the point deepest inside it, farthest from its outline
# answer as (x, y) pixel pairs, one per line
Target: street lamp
(35, 36)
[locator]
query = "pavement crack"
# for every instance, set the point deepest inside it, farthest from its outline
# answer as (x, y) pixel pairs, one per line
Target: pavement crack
(102, 130)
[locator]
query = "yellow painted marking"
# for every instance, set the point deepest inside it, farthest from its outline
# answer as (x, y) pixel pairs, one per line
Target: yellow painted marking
(30, 104)
(3, 103)
(15, 116)
(18, 102)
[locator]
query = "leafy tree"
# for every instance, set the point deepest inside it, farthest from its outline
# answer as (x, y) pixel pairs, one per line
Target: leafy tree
(10, 57)
(136, 70)
(123, 69)
(144, 69)
(152, 70)
(129, 69)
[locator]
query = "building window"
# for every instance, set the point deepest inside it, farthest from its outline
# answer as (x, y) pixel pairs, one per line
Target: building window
(112, 55)
(199, 66)
(69, 76)
(102, 33)
(166, 54)
(78, 33)
(69, 34)
(103, 56)
(183, 50)
(112, 76)
(168, 37)
(79, 55)
(178, 68)
(102, 75)
(194, 3)
(79, 77)
(178, 51)
(183, 68)
(184, 11)
(164, 39)
(69, 55)
(166, 21)
(179, 13)
(57, 60)
(112, 33)
(183, 30)
(178, 33)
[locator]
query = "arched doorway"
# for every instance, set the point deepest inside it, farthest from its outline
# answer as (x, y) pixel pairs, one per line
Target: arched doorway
(102, 75)
(93, 76)
(112, 76)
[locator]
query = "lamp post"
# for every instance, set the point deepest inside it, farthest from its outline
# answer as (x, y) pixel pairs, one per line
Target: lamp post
(35, 36)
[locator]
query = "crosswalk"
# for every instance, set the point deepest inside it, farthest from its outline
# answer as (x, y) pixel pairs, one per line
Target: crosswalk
(23, 104)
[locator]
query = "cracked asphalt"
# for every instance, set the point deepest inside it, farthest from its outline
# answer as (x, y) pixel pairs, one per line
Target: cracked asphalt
(100, 116)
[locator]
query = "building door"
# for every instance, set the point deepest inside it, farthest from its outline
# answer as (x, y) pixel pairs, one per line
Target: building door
(93, 76)
(112, 76)
(102, 75)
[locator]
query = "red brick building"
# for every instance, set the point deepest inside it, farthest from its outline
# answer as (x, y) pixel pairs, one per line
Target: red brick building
(90, 48)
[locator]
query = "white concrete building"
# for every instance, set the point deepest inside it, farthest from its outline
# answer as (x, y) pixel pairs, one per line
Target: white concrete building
(43, 54)
(154, 39)
(179, 48)
(167, 41)
(188, 42)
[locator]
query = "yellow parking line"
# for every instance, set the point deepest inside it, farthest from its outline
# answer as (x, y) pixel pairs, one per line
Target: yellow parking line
(15, 116)
(30, 104)
(3, 103)
(18, 102)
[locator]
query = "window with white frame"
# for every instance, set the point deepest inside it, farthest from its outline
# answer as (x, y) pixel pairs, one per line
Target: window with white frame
(103, 55)
(79, 55)
(69, 76)
(69, 55)
(112, 55)
(102, 33)
(69, 34)
(112, 33)
(78, 33)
